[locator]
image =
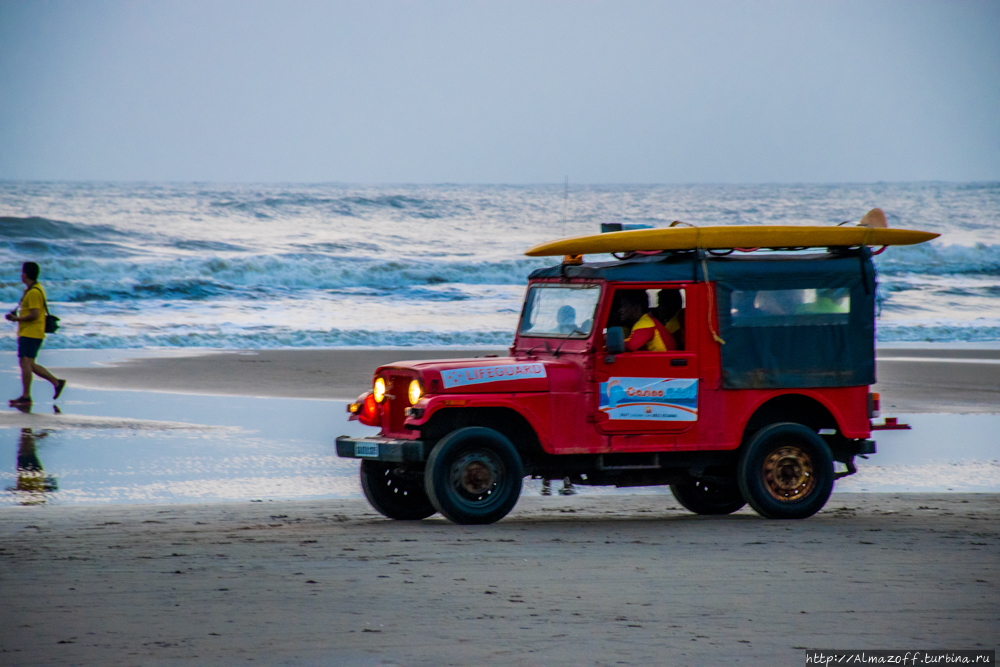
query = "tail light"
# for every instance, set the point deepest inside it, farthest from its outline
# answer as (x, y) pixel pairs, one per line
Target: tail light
(874, 406)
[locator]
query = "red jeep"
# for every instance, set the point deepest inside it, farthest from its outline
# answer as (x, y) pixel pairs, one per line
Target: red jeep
(763, 386)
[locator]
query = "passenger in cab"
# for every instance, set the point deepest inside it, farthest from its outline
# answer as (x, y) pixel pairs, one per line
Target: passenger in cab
(566, 319)
(670, 311)
(648, 334)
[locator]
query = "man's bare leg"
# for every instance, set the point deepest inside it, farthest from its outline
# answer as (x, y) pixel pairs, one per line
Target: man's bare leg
(27, 371)
(43, 372)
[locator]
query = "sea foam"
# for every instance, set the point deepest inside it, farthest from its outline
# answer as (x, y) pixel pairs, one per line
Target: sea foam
(259, 266)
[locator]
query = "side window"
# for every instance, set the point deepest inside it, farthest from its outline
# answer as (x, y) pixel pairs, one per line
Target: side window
(790, 307)
(669, 310)
(636, 309)
(615, 318)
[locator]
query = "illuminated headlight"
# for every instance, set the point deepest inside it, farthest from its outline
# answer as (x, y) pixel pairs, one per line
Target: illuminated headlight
(415, 392)
(379, 389)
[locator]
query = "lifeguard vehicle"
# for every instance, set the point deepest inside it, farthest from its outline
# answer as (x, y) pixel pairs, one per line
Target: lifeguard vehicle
(762, 396)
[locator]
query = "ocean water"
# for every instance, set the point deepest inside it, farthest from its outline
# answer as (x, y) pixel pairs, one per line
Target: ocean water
(264, 266)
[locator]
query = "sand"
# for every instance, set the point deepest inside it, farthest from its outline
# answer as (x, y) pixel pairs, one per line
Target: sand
(939, 380)
(334, 374)
(584, 580)
(910, 380)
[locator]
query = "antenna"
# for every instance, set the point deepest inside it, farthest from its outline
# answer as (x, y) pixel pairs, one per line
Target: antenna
(565, 201)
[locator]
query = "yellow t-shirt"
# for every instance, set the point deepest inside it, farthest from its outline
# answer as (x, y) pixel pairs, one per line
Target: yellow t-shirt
(656, 343)
(33, 298)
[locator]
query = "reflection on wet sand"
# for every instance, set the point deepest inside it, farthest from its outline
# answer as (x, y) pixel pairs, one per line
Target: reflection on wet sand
(32, 482)
(108, 446)
(124, 447)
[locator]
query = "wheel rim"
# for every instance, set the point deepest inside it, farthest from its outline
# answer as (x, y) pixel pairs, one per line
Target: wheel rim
(788, 473)
(708, 491)
(398, 485)
(475, 476)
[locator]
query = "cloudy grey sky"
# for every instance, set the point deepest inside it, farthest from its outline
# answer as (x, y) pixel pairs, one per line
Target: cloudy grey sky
(500, 92)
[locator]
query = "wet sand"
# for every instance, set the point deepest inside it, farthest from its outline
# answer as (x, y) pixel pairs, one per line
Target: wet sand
(333, 374)
(939, 380)
(910, 380)
(562, 581)
(584, 580)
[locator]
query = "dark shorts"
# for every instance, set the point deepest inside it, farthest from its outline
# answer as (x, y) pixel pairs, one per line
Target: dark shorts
(28, 347)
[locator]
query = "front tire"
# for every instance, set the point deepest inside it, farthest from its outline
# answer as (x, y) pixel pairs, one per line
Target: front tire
(709, 497)
(786, 472)
(473, 476)
(394, 495)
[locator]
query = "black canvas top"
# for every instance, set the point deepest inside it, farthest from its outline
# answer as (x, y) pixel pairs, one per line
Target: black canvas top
(788, 320)
(687, 266)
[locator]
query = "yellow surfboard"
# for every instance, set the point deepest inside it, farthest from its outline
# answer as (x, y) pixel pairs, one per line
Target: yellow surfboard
(724, 237)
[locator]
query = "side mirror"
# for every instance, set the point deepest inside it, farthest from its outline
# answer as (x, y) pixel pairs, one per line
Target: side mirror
(614, 340)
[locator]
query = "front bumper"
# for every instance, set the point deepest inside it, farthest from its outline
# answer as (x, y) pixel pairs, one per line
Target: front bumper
(382, 449)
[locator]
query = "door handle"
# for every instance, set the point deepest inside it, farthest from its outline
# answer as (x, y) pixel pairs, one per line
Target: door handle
(678, 362)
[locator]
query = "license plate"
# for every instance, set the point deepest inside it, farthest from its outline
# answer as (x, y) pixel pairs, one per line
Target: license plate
(366, 449)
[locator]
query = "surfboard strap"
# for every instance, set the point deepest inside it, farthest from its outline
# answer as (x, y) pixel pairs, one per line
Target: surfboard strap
(704, 269)
(711, 302)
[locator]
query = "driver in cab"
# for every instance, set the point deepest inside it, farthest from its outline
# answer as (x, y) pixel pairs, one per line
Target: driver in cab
(648, 334)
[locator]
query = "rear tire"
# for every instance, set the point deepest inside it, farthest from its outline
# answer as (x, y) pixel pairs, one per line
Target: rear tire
(474, 476)
(786, 472)
(709, 497)
(393, 495)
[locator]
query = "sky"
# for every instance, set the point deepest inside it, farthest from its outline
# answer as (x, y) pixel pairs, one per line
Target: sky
(628, 91)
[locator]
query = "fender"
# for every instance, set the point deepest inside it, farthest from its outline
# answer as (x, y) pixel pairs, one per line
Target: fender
(820, 397)
(514, 402)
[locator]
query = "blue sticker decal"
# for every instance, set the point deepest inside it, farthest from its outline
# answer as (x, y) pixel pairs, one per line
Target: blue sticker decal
(460, 377)
(650, 399)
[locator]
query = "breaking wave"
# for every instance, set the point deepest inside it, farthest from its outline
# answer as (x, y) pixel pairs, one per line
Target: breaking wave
(271, 338)
(211, 265)
(938, 259)
(42, 228)
(971, 332)
(356, 206)
(250, 277)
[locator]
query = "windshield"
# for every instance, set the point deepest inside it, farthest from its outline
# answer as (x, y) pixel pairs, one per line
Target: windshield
(560, 310)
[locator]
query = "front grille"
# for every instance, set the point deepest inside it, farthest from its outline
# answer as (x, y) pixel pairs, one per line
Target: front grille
(399, 385)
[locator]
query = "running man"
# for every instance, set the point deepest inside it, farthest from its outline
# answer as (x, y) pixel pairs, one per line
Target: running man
(31, 334)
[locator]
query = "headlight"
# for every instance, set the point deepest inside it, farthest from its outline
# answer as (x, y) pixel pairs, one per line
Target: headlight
(416, 391)
(379, 389)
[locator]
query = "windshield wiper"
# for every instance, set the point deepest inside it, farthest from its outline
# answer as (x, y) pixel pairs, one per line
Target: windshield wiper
(548, 348)
(568, 336)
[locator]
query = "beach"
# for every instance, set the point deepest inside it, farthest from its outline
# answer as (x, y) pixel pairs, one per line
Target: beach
(938, 379)
(562, 581)
(317, 374)
(583, 580)
(237, 212)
